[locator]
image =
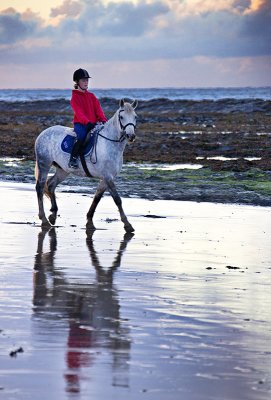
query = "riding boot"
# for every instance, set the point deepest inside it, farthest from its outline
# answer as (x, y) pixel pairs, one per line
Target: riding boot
(73, 163)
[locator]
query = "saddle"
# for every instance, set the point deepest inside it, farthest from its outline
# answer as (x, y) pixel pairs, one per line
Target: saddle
(88, 145)
(69, 139)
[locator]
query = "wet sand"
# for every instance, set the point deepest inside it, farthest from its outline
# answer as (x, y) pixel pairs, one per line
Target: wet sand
(179, 310)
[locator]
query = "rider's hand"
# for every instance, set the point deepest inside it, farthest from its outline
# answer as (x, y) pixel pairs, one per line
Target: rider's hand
(89, 126)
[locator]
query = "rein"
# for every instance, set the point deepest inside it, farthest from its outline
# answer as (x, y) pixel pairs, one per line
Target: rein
(121, 139)
(123, 127)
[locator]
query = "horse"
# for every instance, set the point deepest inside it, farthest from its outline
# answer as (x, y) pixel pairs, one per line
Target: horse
(104, 163)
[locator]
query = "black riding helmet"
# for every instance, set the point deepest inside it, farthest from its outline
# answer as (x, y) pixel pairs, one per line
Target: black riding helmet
(80, 74)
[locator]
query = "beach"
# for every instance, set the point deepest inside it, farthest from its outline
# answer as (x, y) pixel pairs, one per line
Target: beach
(135, 265)
(178, 310)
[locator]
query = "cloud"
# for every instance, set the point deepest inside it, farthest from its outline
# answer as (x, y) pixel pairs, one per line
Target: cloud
(115, 19)
(68, 8)
(256, 28)
(15, 26)
(127, 19)
(146, 30)
(241, 5)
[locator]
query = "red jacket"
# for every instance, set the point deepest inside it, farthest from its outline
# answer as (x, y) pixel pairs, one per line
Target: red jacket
(86, 108)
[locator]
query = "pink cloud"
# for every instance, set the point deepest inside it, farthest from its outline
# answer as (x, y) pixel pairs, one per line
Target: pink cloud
(68, 8)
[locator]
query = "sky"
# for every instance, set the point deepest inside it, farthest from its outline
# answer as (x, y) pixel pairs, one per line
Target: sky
(135, 43)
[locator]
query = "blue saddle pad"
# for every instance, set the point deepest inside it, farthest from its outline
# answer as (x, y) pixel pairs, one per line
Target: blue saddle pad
(68, 142)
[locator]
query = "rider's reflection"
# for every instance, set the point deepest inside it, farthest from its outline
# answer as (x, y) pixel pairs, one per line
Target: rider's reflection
(93, 311)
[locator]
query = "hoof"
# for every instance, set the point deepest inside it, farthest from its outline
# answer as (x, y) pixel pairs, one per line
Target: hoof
(129, 228)
(90, 227)
(128, 236)
(52, 219)
(46, 224)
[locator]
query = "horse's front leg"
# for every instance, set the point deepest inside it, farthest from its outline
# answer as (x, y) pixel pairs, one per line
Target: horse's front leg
(97, 197)
(116, 197)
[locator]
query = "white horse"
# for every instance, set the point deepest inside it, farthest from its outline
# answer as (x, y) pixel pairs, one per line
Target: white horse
(104, 163)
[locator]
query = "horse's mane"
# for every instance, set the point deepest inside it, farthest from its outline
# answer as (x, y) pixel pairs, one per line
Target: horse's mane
(110, 122)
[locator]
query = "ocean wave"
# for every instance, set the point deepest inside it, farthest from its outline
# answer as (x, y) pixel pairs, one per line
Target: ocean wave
(160, 106)
(195, 94)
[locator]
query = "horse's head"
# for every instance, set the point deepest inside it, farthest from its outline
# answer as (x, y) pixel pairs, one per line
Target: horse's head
(127, 119)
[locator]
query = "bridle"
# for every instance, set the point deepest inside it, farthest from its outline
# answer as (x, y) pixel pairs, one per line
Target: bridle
(123, 130)
(123, 127)
(120, 140)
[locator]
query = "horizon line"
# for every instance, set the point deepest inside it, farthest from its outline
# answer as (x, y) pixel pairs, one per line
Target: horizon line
(148, 88)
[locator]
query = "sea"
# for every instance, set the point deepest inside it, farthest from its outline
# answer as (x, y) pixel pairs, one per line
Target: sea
(196, 94)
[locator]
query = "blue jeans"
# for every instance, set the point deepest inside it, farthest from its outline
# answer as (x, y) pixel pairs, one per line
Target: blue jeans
(80, 131)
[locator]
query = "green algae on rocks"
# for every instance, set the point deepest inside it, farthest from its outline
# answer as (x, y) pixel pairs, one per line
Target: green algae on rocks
(203, 184)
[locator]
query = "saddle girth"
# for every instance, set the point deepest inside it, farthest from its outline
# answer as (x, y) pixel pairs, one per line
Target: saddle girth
(84, 165)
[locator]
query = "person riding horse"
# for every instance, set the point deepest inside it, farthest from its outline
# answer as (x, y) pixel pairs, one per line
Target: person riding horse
(87, 112)
(118, 131)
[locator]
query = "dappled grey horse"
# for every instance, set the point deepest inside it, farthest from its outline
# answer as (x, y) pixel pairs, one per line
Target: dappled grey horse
(104, 163)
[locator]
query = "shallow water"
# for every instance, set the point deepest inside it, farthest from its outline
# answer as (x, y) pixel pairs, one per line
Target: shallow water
(180, 310)
(142, 94)
(164, 167)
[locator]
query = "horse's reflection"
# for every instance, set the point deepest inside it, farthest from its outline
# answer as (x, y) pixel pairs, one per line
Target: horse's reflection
(92, 310)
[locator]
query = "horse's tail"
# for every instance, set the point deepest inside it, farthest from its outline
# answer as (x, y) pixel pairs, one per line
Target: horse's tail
(46, 190)
(36, 171)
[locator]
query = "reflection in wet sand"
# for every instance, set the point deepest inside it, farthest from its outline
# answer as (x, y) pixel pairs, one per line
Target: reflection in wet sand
(92, 310)
(189, 314)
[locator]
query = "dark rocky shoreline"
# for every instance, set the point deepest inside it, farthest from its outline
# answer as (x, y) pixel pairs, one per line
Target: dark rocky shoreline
(172, 132)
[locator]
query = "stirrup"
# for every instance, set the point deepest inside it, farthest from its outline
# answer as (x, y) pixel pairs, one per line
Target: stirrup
(73, 163)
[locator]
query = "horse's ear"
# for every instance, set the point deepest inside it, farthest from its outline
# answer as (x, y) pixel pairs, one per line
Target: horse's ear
(134, 104)
(121, 103)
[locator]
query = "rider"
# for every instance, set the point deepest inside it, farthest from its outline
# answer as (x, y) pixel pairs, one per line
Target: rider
(87, 112)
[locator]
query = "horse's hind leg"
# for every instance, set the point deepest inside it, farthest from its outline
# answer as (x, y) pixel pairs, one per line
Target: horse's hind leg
(97, 197)
(41, 176)
(52, 183)
(116, 197)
